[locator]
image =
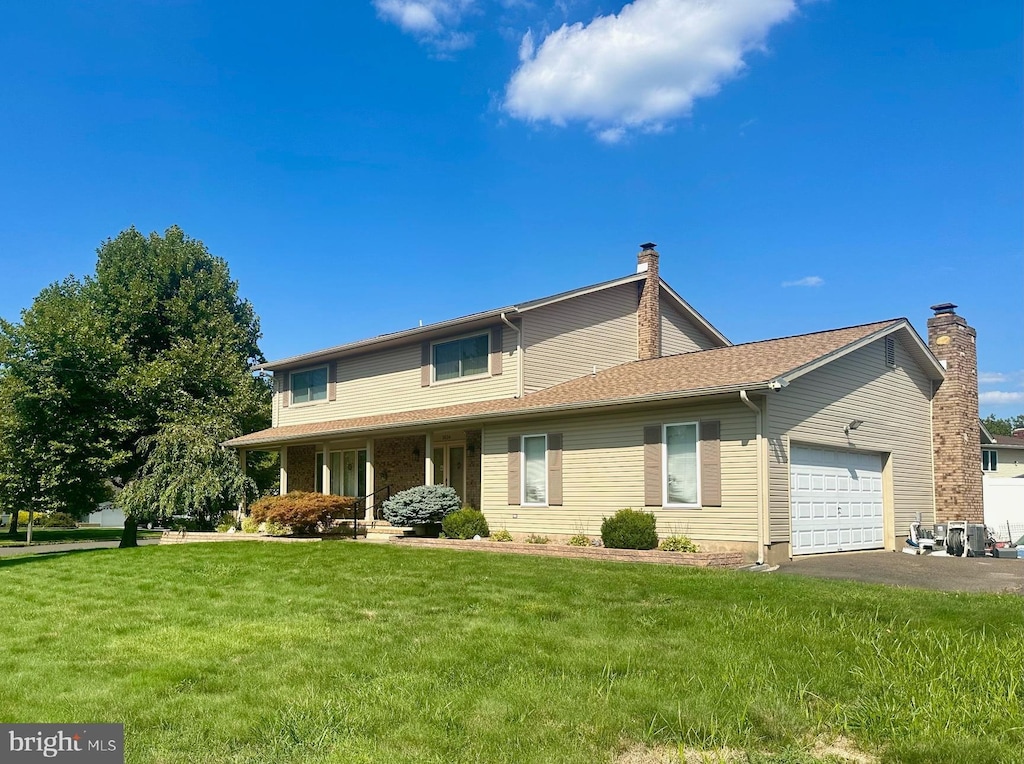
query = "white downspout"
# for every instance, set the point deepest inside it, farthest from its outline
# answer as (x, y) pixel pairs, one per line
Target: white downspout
(762, 494)
(519, 351)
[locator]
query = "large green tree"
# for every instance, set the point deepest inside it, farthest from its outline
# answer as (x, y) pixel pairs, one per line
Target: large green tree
(176, 343)
(1003, 426)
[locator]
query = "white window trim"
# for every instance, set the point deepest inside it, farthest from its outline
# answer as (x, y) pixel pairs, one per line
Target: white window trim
(522, 470)
(664, 465)
(433, 369)
(291, 386)
(994, 455)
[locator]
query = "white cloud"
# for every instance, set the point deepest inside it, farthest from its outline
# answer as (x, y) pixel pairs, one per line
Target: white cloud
(430, 21)
(641, 68)
(806, 281)
(991, 377)
(1000, 396)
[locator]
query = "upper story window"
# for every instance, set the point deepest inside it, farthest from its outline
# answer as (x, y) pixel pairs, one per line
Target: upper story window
(465, 357)
(309, 385)
(989, 460)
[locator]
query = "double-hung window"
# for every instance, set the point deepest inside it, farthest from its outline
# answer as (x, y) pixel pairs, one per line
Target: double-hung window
(465, 357)
(680, 470)
(989, 460)
(310, 385)
(535, 470)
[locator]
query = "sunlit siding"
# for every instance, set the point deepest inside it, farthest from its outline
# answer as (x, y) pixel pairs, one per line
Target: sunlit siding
(389, 380)
(895, 405)
(567, 339)
(603, 471)
(679, 334)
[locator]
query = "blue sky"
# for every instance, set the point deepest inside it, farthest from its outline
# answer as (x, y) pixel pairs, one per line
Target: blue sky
(364, 165)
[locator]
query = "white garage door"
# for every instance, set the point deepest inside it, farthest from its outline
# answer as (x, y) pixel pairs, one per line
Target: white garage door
(836, 500)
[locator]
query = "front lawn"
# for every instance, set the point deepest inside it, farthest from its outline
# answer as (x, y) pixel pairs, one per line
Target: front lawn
(342, 652)
(66, 535)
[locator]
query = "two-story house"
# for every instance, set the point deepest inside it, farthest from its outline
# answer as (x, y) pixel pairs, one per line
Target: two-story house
(552, 414)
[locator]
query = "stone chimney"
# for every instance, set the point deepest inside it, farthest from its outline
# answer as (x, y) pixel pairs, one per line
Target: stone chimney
(956, 436)
(648, 313)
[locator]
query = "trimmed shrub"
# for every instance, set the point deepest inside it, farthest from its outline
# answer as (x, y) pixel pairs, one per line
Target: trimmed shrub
(422, 505)
(629, 529)
(272, 528)
(678, 544)
(502, 535)
(579, 539)
(56, 520)
(465, 523)
(249, 525)
(302, 511)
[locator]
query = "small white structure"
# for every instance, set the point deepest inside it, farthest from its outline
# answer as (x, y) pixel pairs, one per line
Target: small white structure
(107, 516)
(1004, 504)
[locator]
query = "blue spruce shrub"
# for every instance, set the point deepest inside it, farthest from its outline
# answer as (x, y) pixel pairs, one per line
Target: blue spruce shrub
(423, 505)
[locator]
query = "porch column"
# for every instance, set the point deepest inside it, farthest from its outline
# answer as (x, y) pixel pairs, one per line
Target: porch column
(370, 483)
(284, 470)
(325, 470)
(241, 466)
(428, 461)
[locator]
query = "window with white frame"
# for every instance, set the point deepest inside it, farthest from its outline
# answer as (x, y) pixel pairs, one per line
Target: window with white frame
(309, 385)
(989, 460)
(465, 357)
(535, 470)
(682, 477)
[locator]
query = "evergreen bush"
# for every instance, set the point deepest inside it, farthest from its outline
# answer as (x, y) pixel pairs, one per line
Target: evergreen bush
(422, 505)
(465, 524)
(629, 529)
(56, 520)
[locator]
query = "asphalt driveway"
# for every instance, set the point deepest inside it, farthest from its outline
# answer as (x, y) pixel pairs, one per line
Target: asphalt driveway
(951, 574)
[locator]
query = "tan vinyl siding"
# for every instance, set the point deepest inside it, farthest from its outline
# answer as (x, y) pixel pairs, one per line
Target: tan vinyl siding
(567, 339)
(895, 405)
(679, 334)
(603, 471)
(390, 380)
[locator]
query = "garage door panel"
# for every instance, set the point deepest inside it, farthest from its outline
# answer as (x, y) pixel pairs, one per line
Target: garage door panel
(836, 500)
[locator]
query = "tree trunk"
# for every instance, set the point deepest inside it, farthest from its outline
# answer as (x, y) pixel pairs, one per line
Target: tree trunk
(12, 529)
(130, 534)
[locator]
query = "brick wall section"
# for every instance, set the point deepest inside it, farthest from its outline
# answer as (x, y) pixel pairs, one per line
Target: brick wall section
(472, 497)
(301, 468)
(696, 559)
(955, 433)
(648, 313)
(394, 463)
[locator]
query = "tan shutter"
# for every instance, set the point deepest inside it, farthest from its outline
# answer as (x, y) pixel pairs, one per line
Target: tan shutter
(513, 470)
(496, 350)
(652, 466)
(332, 380)
(286, 393)
(554, 469)
(710, 463)
(425, 365)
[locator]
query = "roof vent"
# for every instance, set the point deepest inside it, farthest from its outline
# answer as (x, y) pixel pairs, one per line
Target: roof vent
(944, 307)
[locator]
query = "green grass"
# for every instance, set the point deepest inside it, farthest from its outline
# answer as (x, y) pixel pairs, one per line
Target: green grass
(66, 535)
(339, 652)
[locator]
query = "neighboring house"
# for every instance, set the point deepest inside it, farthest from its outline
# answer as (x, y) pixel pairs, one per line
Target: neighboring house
(1002, 463)
(553, 414)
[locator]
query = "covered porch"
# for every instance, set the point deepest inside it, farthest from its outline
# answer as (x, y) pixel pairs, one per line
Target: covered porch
(372, 467)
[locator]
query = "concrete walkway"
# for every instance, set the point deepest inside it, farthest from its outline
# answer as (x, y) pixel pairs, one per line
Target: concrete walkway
(78, 546)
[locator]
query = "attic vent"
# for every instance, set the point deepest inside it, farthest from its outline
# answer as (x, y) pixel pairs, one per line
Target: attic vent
(890, 352)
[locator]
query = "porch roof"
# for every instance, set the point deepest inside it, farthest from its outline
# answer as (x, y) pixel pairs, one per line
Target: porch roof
(751, 366)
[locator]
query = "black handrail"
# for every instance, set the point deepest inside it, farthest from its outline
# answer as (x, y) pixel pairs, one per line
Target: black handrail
(359, 507)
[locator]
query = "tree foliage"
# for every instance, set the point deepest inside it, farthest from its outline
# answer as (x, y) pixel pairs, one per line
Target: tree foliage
(1006, 426)
(130, 379)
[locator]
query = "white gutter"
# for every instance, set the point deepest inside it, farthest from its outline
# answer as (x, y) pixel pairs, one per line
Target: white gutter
(519, 349)
(762, 494)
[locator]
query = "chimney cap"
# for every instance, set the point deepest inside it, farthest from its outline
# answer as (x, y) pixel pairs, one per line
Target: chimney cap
(647, 246)
(944, 307)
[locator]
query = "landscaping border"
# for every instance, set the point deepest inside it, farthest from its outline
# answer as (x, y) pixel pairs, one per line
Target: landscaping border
(691, 559)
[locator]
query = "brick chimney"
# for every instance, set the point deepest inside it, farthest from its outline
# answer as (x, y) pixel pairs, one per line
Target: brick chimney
(648, 313)
(956, 436)
(1017, 432)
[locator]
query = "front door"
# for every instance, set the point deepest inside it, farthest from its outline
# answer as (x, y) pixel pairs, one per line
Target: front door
(450, 467)
(348, 472)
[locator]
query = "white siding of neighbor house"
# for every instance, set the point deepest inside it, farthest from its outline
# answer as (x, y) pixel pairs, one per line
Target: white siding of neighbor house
(567, 339)
(895, 405)
(1010, 462)
(603, 472)
(387, 381)
(679, 334)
